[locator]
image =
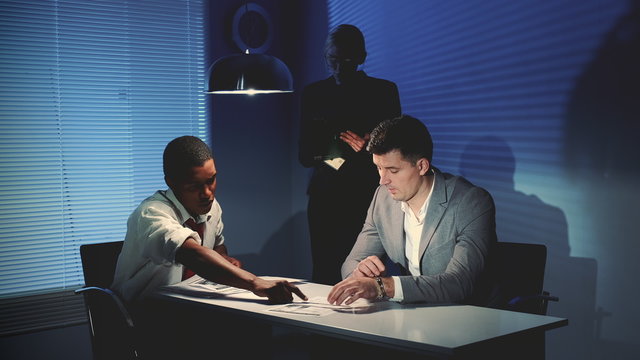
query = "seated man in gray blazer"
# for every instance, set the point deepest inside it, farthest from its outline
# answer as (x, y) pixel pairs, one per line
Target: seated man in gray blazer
(437, 226)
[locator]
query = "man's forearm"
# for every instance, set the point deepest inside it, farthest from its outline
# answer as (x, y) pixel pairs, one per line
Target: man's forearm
(221, 249)
(213, 266)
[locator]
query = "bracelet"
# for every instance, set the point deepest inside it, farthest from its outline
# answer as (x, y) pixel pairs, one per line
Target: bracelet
(382, 294)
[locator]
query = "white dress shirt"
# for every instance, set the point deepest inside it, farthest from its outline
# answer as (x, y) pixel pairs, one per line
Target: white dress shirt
(413, 224)
(155, 230)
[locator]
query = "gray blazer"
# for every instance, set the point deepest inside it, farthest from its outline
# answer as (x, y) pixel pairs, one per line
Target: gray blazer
(458, 232)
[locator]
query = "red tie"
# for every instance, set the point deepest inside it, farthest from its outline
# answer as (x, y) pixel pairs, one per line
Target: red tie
(199, 228)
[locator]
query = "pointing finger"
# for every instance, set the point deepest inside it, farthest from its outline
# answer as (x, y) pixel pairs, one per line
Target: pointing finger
(296, 290)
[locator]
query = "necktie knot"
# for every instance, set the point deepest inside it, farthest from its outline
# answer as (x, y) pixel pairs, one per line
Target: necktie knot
(199, 228)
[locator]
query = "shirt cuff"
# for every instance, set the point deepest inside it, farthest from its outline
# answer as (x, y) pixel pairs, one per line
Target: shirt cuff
(398, 295)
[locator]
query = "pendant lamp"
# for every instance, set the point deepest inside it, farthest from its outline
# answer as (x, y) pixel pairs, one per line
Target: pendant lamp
(250, 72)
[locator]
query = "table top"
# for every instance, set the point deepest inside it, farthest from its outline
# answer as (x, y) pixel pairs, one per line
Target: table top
(417, 327)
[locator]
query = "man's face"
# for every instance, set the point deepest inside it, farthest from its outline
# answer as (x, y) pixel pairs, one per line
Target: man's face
(197, 189)
(342, 63)
(401, 178)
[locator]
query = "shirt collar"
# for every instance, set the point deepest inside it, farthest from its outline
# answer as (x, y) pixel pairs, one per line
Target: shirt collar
(184, 214)
(423, 210)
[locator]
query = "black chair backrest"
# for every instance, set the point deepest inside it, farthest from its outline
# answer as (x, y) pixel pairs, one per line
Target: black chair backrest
(517, 277)
(112, 332)
(99, 262)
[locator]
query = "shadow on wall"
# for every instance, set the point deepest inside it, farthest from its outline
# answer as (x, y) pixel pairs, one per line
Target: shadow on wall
(603, 115)
(489, 162)
(275, 258)
(603, 159)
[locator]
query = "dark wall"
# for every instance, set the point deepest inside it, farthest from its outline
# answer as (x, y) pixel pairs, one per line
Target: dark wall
(309, 38)
(254, 139)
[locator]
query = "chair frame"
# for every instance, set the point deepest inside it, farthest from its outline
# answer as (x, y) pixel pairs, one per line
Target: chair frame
(98, 264)
(508, 259)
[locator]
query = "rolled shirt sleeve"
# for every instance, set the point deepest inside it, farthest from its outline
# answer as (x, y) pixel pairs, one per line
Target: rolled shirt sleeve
(155, 231)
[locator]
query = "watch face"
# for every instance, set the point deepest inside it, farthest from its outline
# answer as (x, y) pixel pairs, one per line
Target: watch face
(252, 28)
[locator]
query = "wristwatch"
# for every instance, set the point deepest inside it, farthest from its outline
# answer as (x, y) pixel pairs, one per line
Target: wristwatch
(382, 294)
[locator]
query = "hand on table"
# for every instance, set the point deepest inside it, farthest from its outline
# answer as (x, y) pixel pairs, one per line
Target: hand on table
(278, 291)
(352, 289)
(352, 139)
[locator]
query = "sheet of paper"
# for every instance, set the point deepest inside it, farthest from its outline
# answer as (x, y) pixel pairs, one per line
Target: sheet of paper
(318, 306)
(198, 286)
(335, 163)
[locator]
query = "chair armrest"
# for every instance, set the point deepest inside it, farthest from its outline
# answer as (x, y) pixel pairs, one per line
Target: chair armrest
(114, 297)
(535, 304)
(544, 297)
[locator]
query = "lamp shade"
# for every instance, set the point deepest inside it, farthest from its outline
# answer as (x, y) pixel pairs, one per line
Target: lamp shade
(249, 74)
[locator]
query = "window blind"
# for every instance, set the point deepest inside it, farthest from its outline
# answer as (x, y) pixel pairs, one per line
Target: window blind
(91, 93)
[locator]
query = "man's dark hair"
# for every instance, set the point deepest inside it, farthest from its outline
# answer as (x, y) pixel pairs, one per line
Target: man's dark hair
(405, 133)
(348, 38)
(183, 153)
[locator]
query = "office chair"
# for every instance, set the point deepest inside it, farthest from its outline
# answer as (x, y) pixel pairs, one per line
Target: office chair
(514, 281)
(518, 278)
(111, 325)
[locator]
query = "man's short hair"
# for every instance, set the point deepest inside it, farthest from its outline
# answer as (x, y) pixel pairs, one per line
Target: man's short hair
(349, 39)
(182, 154)
(405, 133)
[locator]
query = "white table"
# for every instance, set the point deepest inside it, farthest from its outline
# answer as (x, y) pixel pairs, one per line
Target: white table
(442, 330)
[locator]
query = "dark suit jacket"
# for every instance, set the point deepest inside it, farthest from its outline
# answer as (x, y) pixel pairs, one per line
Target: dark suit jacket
(327, 110)
(458, 232)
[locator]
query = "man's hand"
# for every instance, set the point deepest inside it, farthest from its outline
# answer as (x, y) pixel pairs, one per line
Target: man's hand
(371, 266)
(352, 139)
(278, 292)
(352, 289)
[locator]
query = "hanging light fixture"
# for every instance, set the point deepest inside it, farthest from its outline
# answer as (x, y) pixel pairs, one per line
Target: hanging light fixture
(251, 72)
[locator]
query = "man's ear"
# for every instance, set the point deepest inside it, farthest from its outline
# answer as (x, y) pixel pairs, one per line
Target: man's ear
(360, 60)
(423, 165)
(169, 182)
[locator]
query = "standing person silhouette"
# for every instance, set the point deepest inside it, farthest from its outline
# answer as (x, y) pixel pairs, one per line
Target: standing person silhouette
(338, 113)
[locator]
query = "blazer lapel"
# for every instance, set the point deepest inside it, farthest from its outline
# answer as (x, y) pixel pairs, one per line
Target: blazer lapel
(397, 232)
(437, 206)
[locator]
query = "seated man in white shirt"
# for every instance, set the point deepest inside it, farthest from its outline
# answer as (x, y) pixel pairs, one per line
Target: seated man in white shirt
(437, 226)
(161, 246)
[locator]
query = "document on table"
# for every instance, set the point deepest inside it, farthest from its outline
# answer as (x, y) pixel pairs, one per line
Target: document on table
(197, 286)
(318, 306)
(201, 287)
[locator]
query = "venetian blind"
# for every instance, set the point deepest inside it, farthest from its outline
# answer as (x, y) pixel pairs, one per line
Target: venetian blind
(91, 93)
